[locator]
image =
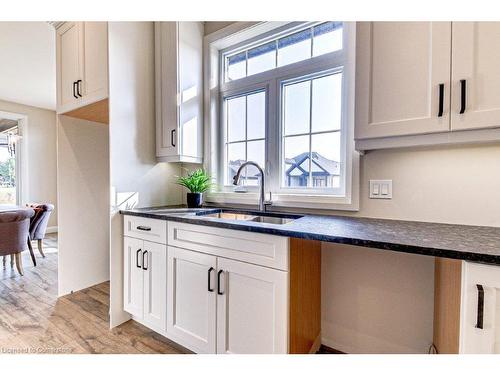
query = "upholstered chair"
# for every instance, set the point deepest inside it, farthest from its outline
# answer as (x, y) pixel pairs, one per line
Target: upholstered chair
(38, 225)
(14, 232)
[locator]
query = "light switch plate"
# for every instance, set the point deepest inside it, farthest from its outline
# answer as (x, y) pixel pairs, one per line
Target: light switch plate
(381, 189)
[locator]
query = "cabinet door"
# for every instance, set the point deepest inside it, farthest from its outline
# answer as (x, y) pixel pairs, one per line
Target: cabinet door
(400, 67)
(155, 285)
(133, 298)
(252, 313)
(68, 63)
(167, 88)
(191, 299)
(95, 81)
(477, 338)
(475, 60)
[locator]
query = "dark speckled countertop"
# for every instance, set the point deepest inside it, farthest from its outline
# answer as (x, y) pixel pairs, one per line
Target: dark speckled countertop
(473, 243)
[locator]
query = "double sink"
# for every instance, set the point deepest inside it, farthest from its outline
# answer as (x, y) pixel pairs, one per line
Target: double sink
(234, 215)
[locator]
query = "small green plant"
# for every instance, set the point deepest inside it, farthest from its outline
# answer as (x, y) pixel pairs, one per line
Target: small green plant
(197, 181)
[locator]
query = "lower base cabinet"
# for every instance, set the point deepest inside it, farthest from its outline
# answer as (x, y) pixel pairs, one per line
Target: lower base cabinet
(215, 290)
(218, 305)
(145, 282)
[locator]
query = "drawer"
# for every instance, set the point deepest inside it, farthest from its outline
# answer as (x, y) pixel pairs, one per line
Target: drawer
(153, 230)
(257, 248)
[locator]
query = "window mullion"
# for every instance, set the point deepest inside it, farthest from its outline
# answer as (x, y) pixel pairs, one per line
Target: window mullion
(309, 184)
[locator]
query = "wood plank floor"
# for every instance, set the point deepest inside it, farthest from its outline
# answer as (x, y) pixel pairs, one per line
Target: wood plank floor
(34, 320)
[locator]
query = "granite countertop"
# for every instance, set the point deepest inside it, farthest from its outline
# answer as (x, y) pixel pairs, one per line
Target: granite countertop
(473, 243)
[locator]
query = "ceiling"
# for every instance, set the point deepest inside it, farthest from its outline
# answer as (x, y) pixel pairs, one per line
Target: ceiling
(28, 63)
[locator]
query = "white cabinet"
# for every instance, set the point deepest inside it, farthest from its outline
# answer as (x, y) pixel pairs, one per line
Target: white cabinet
(191, 299)
(81, 64)
(402, 78)
(252, 309)
(422, 83)
(145, 282)
(475, 75)
(480, 310)
(179, 91)
(218, 305)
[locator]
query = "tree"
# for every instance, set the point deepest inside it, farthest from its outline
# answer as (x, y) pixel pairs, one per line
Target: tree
(8, 173)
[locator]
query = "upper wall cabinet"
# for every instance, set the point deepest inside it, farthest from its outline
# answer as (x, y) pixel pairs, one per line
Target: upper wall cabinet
(420, 83)
(475, 101)
(179, 91)
(82, 64)
(403, 78)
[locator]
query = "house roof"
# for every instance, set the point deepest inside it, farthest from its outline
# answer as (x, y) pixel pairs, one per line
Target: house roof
(319, 164)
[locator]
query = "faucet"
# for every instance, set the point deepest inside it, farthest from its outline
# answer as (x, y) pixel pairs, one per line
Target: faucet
(236, 178)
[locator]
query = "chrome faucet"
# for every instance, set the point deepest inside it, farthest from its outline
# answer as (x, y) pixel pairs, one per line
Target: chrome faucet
(236, 178)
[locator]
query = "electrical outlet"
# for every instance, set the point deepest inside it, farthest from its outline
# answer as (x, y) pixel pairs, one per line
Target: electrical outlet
(381, 189)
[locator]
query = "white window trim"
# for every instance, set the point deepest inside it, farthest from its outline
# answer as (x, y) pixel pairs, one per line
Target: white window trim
(232, 35)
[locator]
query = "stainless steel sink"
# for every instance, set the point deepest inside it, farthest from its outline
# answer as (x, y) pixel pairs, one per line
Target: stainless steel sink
(267, 218)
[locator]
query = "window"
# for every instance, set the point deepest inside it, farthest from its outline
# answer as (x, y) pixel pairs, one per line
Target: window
(284, 103)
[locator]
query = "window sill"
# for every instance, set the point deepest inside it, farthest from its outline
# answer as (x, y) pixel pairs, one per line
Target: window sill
(322, 202)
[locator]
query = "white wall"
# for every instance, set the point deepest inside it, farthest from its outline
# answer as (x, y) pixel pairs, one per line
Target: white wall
(132, 138)
(28, 63)
(83, 196)
(41, 150)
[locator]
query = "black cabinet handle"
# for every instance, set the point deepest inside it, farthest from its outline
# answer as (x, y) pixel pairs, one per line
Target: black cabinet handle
(74, 91)
(218, 283)
(145, 256)
(210, 289)
(172, 133)
(463, 93)
(144, 228)
(480, 306)
(137, 258)
(78, 88)
(441, 100)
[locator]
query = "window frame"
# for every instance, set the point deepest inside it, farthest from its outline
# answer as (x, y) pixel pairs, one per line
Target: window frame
(216, 89)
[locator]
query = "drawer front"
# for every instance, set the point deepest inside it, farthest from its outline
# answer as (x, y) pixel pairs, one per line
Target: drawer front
(257, 248)
(146, 229)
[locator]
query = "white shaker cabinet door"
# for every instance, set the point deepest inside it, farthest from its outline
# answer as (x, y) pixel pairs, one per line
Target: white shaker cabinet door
(95, 82)
(480, 313)
(133, 277)
(402, 78)
(191, 299)
(252, 312)
(155, 285)
(475, 75)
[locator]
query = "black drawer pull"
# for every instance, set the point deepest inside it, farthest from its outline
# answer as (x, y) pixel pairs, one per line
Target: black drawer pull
(218, 283)
(463, 98)
(74, 91)
(172, 142)
(441, 100)
(210, 289)
(78, 88)
(144, 228)
(145, 256)
(480, 306)
(137, 258)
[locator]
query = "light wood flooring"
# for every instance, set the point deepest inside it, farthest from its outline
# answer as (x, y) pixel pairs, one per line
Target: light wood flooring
(34, 320)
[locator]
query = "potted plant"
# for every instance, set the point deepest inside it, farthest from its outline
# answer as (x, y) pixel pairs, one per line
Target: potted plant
(197, 182)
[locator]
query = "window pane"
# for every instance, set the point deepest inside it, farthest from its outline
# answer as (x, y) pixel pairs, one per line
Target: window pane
(295, 47)
(327, 38)
(235, 157)
(256, 106)
(236, 66)
(326, 103)
(296, 111)
(255, 152)
(325, 160)
(236, 119)
(262, 58)
(296, 161)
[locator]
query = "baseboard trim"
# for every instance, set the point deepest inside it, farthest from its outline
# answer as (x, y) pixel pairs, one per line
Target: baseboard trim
(51, 229)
